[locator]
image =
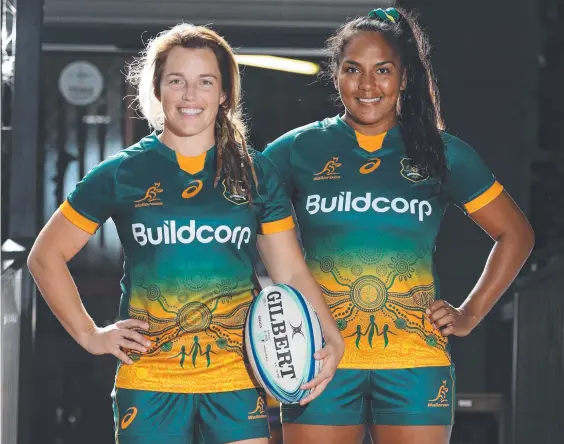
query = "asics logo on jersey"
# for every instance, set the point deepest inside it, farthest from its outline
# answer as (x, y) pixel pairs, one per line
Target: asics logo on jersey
(170, 233)
(150, 198)
(128, 418)
(194, 188)
(441, 400)
(370, 166)
(413, 172)
(345, 202)
(329, 171)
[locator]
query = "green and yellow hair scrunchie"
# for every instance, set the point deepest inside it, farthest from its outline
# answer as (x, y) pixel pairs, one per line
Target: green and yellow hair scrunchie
(389, 15)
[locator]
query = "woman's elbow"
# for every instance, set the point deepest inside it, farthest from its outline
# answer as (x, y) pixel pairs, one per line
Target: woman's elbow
(520, 237)
(34, 261)
(37, 260)
(525, 236)
(529, 238)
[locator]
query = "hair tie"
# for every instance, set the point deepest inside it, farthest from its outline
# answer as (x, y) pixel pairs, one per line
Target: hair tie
(389, 15)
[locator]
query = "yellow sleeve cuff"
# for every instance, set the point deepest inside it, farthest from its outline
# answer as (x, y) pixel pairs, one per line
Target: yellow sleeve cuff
(277, 226)
(78, 219)
(485, 198)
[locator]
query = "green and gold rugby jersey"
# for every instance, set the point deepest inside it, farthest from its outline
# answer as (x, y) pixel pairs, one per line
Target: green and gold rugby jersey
(189, 251)
(368, 220)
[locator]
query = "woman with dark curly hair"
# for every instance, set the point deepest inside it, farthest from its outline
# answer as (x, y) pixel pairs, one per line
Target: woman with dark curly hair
(370, 188)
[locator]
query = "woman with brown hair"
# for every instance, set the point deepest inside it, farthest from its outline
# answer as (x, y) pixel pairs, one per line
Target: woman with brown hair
(188, 202)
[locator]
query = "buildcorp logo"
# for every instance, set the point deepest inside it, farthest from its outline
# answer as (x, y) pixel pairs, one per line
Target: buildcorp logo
(345, 202)
(172, 233)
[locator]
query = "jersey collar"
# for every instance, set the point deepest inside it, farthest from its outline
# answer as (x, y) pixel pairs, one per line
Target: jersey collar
(392, 138)
(187, 164)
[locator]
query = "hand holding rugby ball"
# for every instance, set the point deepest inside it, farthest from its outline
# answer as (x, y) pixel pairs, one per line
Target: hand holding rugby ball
(281, 336)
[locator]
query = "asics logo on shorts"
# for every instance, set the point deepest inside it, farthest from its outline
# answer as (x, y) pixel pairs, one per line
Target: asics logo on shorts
(128, 418)
(345, 202)
(170, 233)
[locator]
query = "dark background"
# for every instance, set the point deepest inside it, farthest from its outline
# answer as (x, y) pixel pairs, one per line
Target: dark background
(500, 69)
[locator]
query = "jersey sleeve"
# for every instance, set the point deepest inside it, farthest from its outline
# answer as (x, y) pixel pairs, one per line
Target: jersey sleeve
(279, 153)
(274, 212)
(471, 185)
(93, 200)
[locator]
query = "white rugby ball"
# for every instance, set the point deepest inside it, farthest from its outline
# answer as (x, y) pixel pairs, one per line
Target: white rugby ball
(282, 333)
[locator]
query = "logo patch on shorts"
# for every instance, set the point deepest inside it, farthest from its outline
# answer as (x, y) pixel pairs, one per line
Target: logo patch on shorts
(441, 400)
(260, 411)
(128, 418)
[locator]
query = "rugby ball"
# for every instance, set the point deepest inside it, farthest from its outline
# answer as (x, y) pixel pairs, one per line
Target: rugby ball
(282, 332)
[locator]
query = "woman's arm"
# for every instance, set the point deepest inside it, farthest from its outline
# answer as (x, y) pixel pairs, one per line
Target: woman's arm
(514, 239)
(58, 243)
(284, 261)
